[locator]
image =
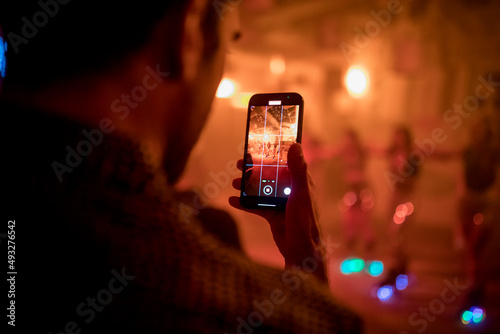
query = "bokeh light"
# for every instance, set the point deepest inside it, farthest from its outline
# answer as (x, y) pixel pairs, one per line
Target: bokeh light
(477, 315)
(397, 219)
(402, 211)
(410, 208)
(344, 267)
(350, 198)
(473, 315)
(376, 268)
(385, 293)
(478, 219)
(277, 65)
(227, 88)
(352, 265)
(401, 282)
(240, 100)
(367, 199)
(357, 265)
(466, 317)
(3, 57)
(356, 81)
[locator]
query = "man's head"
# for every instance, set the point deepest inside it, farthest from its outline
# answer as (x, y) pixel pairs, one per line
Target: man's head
(55, 39)
(78, 57)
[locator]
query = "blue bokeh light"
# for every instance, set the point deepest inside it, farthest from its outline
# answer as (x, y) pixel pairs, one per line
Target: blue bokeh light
(401, 282)
(477, 314)
(3, 61)
(385, 293)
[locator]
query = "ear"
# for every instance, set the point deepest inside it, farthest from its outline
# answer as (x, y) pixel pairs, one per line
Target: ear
(192, 39)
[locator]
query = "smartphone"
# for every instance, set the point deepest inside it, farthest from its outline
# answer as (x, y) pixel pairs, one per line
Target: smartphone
(274, 123)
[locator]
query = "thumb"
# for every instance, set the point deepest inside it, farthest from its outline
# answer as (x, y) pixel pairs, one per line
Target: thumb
(298, 168)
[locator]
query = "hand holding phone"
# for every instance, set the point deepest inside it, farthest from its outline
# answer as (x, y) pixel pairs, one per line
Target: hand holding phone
(295, 230)
(274, 123)
(293, 215)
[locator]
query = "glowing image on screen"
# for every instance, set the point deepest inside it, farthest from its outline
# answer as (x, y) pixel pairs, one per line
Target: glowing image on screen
(272, 130)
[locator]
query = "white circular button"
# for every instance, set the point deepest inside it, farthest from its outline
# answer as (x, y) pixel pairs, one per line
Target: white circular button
(268, 190)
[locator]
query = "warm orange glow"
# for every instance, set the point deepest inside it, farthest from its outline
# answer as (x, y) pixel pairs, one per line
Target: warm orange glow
(241, 100)
(227, 88)
(277, 65)
(356, 81)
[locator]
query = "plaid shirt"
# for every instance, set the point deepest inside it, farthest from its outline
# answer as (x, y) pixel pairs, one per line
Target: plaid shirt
(106, 249)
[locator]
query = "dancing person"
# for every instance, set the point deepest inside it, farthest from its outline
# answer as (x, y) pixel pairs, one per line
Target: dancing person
(358, 200)
(481, 159)
(401, 205)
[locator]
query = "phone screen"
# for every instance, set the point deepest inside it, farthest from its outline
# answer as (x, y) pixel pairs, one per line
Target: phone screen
(273, 125)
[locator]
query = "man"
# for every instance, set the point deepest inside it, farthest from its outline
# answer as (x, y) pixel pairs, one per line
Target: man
(102, 105)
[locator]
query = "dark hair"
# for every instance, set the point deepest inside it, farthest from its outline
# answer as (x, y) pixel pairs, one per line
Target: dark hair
(408, 146)
(80, 36)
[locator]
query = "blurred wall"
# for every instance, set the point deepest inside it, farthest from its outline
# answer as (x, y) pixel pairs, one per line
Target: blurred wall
(422, 57)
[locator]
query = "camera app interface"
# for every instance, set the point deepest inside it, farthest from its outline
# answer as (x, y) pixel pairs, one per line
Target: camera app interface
(272, 130)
